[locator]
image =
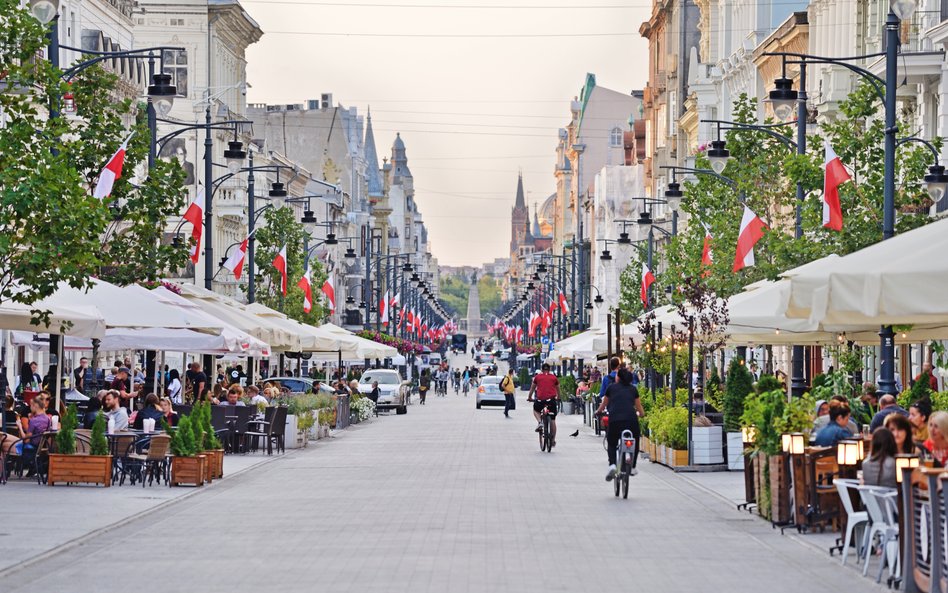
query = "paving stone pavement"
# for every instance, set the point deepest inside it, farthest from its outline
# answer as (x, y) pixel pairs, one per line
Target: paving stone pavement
(449, 499)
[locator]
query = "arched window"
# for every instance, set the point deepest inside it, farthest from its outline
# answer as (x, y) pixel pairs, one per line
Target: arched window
(615, 138)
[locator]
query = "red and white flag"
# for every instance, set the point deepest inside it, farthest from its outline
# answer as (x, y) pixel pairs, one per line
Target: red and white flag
(307, 287)
(279, 262)
(235, 262)
(752, 229)
(706, 257)
(648, 278)
(112, 171)
(836, 175)
(195, 215)
(330, 291)
(396, 299)
(564, 306)
(383, 309)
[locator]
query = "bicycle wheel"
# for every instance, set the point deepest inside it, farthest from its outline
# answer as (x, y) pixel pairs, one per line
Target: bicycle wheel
(546, 433)
(542, 437)
(617, 479)
(626, 470)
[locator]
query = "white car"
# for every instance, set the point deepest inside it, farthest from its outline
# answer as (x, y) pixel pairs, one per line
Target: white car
(391, 389)
(489, 393)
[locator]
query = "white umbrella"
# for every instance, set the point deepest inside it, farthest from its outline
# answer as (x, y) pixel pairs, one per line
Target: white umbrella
(234, 340)
(356, 347)
(311, 339)
(903, 280)
(81, 321)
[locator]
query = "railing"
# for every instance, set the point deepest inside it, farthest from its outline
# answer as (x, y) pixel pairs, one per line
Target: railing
(922, 21)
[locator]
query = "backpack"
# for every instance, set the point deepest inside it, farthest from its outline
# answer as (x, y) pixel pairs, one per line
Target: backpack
(504, 382)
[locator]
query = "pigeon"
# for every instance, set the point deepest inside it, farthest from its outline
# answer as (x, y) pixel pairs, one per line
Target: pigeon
(575, 434)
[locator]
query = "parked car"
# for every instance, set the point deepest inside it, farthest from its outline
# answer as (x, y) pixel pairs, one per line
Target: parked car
(482, 357)
(393, 391)
(299, 384)
(489, 393)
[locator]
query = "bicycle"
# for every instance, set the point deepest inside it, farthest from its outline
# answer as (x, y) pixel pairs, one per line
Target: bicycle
(457, 385)
(466, 387)
(546, 436)
(624, 456)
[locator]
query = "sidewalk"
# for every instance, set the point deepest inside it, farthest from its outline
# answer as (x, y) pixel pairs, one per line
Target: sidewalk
(39, 520)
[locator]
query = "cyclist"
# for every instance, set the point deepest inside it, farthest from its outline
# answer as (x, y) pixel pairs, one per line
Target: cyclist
(466, 380)
(443, 381)
(547, 388)
(625, 408)
(457, 381)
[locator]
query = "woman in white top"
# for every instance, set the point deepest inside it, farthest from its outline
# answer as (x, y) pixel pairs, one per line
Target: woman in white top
(174, 386)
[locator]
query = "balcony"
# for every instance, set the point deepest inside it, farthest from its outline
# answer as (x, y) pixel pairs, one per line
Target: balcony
(231, 201)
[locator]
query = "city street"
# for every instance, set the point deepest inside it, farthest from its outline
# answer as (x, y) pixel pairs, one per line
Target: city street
(446, 498)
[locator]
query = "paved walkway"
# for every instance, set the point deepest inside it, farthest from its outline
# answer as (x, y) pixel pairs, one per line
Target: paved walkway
(448, 499)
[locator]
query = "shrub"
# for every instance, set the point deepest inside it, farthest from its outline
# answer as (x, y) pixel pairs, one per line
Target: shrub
(739, 385)
(182, 443)
(523, 378)
(670, 427)
(567, 387)
(100, 444)
(197, 425)
(767, 383)
(66, 437)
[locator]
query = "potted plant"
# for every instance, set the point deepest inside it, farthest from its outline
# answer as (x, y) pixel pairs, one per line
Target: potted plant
(187, 467)
(65, 466)
(524, 379)
(739, 386)
(567, 391)
(670, 429)
(213, 447)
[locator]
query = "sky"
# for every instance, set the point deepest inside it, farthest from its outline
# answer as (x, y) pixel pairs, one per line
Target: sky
(478, 90)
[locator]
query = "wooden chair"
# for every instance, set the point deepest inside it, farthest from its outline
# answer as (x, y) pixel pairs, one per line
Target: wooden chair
(151, 461)
(822, 505)
(83, 441)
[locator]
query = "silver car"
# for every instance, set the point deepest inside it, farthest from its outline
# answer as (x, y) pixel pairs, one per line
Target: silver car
(489, 392)
(393, 390)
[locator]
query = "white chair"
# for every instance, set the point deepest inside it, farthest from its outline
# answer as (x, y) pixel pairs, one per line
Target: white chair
(889, 501)
(882, 527)
(856, 521)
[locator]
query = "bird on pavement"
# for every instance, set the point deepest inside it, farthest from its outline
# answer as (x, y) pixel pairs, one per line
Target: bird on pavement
(575, 434)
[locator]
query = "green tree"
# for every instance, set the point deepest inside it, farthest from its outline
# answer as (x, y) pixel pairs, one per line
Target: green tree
(489, 295)
(740, 383)
(282, 228)
(453, 295)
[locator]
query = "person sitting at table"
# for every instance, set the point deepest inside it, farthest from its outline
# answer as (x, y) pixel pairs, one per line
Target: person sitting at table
(37, 424)
(138, 377)
(121, 385)
(92, 411)
(374, 394)
(918, 415)
(937, 442)
(150, 411)
(234, 393)
(837, 429)
(167, 412)
(879, 468)
(822, 421)
(905, 443)
(256, 398)
(9, 414)
(112, 404)
(887, 405)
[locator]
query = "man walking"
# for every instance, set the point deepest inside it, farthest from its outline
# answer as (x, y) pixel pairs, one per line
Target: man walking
(507, 386)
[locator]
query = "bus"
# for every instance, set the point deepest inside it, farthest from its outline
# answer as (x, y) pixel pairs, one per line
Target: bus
(459, 342)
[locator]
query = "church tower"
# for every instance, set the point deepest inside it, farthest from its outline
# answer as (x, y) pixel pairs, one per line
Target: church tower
(519, 221)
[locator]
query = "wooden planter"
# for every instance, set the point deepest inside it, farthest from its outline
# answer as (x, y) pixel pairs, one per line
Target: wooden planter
(216, 462)
(779, 490)
(90, 469)
(762, 484)
(188, 470)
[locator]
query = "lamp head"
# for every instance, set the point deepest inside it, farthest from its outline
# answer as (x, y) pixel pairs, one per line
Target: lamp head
(234, 156)
(44, 10)
(624, 239)
(277, 195)
(350, 253)
(605, 256)
(782, 98)
(161, 92)
(718, 154)
(904, 9)
(589, 306)
(936, 182)
(645, 218)
(598, 300)
(309, 221)
(331, 239)
(407, 267)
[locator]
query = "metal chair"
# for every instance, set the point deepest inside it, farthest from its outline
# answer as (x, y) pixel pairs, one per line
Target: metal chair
(151, 462)
(883, 530)
(856, 521)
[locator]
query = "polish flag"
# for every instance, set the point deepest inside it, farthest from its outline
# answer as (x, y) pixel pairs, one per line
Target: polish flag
(330, 291)
(383, 309)
(564, 306)
(304, 283)
(553, 306)
(235, 263)
(279, 262)
(836, 175)
(648, 278)
(706, 258)
(752, 229)
(195, 215)
(396, 299)
(112, 171)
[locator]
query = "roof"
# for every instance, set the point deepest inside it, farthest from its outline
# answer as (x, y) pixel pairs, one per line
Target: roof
(372, 175)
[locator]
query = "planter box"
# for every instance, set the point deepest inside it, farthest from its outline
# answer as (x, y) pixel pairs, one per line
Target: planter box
(779, 490)
(188, 470)
(735, 451)
(708, 445)
(672, 457)
(215, 459)
(88, 469)
(644, 447)
(292, 432)
(761, 484)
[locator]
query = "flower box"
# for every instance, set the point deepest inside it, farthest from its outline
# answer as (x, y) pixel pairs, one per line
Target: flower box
(735, 451)
(188, 470)
(216, 462)
(74, 469)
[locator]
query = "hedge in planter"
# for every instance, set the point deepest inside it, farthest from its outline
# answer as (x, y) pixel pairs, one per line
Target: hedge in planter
(740, 383)
(187, 467)
(67, 467)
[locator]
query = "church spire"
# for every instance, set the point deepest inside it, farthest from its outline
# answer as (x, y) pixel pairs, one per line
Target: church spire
(521, 203)
(537, 232)
(373, 179)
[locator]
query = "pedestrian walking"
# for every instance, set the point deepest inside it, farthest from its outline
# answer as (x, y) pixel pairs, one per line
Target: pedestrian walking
(507, 386)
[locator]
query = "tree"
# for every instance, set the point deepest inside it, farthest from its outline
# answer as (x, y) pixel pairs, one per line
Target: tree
(489, 295)
(51, 228)
(740, 384)
(282, 228)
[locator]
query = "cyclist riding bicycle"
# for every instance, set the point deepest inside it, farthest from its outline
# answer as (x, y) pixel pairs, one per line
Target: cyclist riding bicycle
(625, 408)
(457, 380)
(547, 388)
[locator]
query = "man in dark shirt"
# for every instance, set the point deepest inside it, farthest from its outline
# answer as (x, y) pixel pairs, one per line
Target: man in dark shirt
(82, 375)
(122, 385)
(198, 381)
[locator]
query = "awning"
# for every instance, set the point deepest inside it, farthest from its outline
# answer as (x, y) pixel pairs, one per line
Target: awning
(356, 347)
(81, 321)
(310, 338)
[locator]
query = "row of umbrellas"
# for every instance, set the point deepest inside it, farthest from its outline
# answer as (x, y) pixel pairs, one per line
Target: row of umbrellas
(901, 282)
(186, 319)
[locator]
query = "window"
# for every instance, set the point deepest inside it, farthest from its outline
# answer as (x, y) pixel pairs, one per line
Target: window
(672, 113)
(615, 138)
(176, 64)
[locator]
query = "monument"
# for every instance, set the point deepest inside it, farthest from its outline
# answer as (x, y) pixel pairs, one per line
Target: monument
(474, 308)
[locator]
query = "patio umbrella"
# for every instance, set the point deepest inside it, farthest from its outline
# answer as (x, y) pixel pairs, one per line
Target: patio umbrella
(83, 321)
